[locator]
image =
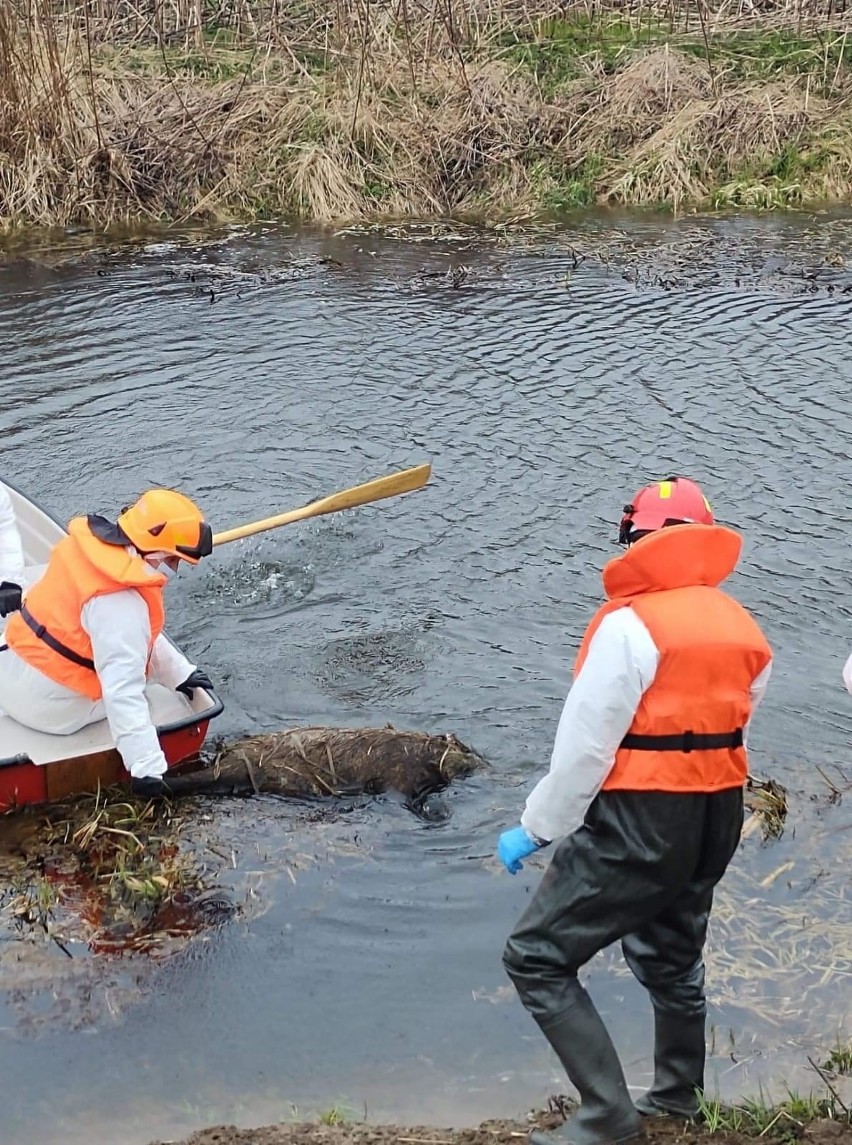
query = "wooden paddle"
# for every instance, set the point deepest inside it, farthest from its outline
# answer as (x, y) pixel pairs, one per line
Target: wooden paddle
(391, 486)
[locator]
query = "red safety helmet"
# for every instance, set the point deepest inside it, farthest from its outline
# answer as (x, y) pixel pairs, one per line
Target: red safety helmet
(676, 501)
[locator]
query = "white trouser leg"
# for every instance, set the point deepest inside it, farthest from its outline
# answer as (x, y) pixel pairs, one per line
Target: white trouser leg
(35, 701)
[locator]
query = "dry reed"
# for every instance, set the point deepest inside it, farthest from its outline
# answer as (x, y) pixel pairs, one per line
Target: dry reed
(113, 111)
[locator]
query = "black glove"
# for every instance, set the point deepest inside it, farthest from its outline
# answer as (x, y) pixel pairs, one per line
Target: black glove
(10, 597)
(150, 787)
(196, 679)
(164, 786)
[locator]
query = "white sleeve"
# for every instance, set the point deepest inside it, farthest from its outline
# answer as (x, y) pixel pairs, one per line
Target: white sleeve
(757, 692)
(169, 666)
(847, 674)
(120, 630)
(619, 668)
(11, 549)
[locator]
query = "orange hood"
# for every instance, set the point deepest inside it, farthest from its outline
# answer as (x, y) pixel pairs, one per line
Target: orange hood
(676, 557)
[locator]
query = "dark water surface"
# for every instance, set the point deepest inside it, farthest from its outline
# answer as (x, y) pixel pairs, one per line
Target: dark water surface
(258, 369)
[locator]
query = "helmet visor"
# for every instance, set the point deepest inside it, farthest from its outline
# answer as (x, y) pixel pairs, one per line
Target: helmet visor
(203, 548)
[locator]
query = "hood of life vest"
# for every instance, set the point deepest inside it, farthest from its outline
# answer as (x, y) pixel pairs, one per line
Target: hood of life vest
(121, 564)
(678, 556)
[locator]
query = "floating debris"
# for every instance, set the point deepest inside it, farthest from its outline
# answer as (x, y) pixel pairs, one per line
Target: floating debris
(103, 871)
(767, 801)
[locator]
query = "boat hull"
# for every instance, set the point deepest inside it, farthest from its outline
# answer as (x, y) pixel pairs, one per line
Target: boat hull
(24, 783)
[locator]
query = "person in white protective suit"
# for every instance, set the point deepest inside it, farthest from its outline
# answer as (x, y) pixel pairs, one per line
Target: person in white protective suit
(88, 636)
(643, 806)
(11, 557)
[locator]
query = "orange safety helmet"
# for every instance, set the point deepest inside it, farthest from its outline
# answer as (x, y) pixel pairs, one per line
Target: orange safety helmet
(165, 521)
(676, 501)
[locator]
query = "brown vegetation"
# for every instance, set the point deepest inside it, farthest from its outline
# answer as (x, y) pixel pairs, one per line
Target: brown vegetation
(101, 870)
(112, 111)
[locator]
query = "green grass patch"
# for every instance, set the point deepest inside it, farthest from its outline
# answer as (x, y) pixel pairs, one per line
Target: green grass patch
(763, 55)
(767, 194)
(839, 1060)
(785, 180)
(314, 128)
(314, 60)
(555, 49)
(376, 190)
(560, 189)
(216, 65)
(339, 1115)
(782, 1122)
(559, 50)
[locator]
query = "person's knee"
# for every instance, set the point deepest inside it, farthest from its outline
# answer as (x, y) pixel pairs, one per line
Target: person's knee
(530, 959)
(549, 951)
(546, 986)
(531, 965)
(680, 999)
(514, 959)
(681, 993)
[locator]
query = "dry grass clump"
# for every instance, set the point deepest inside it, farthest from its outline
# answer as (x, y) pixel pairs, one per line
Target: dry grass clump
(616, 116)
(456, 107)
(656, 84)
(127, 145)
(96, 147)
(392, 151)
(767, 801)
(633, 103)
(673, 133)
(712, 140)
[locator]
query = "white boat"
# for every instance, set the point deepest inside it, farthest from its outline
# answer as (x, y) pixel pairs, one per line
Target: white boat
(40, 768)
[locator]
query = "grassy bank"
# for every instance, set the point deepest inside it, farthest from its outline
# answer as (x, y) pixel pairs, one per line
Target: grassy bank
(354, 109)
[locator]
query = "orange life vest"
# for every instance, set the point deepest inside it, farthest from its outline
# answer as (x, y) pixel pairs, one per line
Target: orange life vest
(687, 734)
(48, 632)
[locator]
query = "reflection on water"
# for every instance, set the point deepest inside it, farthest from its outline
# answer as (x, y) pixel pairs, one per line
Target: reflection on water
(259, 369)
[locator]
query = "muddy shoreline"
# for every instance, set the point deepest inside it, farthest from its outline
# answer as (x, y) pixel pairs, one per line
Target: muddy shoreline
(818, 1131)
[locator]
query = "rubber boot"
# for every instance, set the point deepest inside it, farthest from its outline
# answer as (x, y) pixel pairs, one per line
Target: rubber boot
(679, 1052)
(607, 1113)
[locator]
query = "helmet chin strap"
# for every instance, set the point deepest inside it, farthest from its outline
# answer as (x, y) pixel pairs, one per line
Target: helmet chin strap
(626, 525)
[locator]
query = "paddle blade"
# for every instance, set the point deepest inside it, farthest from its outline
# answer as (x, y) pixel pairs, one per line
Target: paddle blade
(405, 482)
(391, 486)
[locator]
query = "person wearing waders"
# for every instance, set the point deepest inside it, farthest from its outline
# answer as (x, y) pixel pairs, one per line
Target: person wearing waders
(644, 801)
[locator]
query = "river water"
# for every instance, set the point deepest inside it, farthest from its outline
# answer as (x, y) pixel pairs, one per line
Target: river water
(259, 368)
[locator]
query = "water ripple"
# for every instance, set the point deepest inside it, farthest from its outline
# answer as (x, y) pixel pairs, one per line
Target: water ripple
(544, 396)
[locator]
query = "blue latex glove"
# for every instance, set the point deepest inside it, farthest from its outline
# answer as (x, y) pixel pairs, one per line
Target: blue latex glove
(515, 845)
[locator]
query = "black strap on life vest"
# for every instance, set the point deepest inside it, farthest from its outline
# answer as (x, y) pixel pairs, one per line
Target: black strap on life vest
(51, 641)
(684, 741)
